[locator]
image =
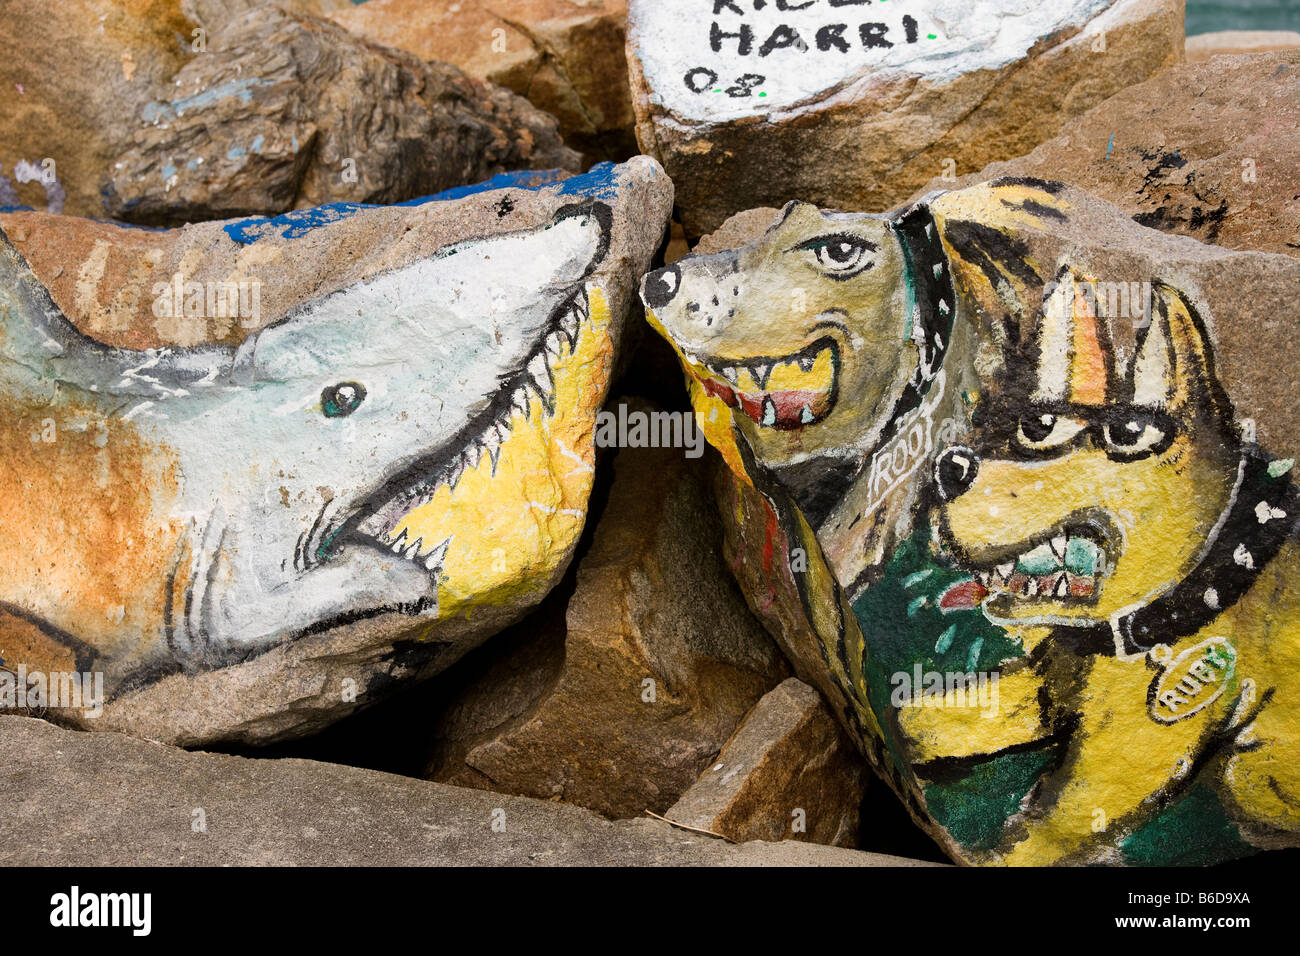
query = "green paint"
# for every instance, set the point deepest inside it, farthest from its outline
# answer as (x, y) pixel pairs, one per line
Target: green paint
(916, 605)
(1193, 831)
(974, 654)
(973, 808)
(945, 639)
(1276, 469)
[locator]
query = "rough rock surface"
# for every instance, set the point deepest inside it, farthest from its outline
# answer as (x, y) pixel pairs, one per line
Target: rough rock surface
(566, 56)
(1014, 660)
(74, 799)
(620, 706)
(1205, 45)
(757, 103)
(240, 562)
(789, 772)
(1208, 150)
(70, 73)
(284, 110)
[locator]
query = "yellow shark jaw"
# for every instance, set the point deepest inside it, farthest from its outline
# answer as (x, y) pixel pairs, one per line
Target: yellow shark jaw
(498, 523)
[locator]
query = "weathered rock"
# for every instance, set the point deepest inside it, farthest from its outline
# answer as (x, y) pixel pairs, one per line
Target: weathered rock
(619, 706)
(384, 457)
(73, 799)
(1205, 45)
(853, 107)
(787, 773)
(285, 111)
(1205, 150)
(566, 56)
(70, 72)
(1025, 511)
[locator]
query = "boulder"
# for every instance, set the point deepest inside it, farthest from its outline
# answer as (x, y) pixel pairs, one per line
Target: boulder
(853, 106)
(620, 703)
(1011, 487)
(283, 110)
(789, 772)
(1208, 150)
(259, 471)
(71, 72)
(1205, 45)
(566, 56)
(109, 800)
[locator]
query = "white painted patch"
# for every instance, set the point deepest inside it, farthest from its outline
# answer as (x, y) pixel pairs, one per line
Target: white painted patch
(941, 40)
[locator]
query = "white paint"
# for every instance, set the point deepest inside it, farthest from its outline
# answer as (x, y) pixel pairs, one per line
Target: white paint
(672, 37)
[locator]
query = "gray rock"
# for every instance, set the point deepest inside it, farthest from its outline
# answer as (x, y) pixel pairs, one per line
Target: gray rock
(78, 799)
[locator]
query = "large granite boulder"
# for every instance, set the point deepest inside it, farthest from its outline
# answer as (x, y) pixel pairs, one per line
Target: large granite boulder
(257, 471)
(566, 56)
(108, 800)
(145, 112)
(620, 701)
(854, 105)
(1208, 150)
(1013, 489)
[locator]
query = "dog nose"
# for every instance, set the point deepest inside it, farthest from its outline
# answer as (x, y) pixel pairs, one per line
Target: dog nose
(954, 471)
(660, 286)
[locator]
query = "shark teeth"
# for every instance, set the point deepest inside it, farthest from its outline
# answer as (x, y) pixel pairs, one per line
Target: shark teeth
(535, 382)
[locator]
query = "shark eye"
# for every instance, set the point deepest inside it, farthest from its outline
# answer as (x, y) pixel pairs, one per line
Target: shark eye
(1044, 430)
(1136, 434)
(341, 400)
(841, 256)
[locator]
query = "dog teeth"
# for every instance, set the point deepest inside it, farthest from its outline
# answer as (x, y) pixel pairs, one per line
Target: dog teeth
(434, 560)
(985, 579)
(1062, 588)
(806, 415)
(397, 543)
(762, 371)
(769, 412)
(806, 362)
(1031, 587)
(1058, 546)
(413, 551)
(1005, 571)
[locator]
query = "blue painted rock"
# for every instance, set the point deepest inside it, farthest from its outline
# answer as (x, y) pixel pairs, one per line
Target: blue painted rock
(256, 471)
(1009, 487)
(855, 105)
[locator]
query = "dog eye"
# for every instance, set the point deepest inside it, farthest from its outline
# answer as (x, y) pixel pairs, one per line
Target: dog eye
(1040, 431)
(341, 400)
(841, 256)
(1133, 435)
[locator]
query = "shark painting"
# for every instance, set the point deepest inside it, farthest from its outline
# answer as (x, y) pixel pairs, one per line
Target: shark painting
(409, 449)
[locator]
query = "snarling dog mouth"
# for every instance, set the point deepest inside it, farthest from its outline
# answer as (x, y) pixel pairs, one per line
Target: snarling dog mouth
(1067, 564)
(783, 392)
(393, 517)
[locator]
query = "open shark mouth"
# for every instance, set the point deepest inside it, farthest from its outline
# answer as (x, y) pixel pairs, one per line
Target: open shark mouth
(785, 392)
(414, 514)
(1066, 565)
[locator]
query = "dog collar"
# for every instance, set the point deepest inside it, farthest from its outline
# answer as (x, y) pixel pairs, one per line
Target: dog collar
(1261, 515)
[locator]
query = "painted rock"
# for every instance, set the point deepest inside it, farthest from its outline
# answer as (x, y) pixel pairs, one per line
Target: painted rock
(566, 56)
(854, 105)
(620, 700)
(169, 120)
(381, 457)
(1014, 491)
(1208, 150)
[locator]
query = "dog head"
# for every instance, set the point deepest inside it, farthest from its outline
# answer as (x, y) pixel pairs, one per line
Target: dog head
(1087, 490)
(803, 332)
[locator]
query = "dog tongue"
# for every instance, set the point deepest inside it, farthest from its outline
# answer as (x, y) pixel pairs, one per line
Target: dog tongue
(963, 596)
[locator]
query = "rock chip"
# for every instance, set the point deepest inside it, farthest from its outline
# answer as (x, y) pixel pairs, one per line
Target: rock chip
(851, 106)
(789, 772)
(566, 56)
(1208, 150)
(619, 706)
(325, 452)
(284, 110)
(109, 800)
(1036, 535)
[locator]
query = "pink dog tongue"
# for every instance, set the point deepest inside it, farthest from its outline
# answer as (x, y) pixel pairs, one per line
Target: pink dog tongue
(963, 596)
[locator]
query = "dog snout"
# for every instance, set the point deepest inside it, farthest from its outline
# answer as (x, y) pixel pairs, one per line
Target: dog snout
(661, 286)
(955, 470)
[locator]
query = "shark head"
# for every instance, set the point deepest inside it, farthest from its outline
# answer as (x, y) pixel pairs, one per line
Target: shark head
(399, 448)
